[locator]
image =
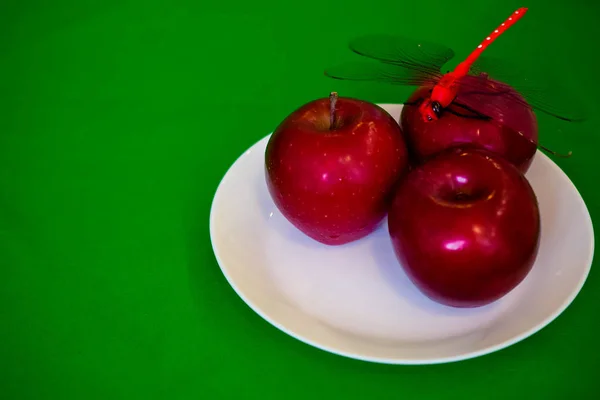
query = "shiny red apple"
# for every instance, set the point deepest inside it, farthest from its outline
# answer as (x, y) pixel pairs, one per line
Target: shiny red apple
(331, 167)
(465, 227)
(500, 135)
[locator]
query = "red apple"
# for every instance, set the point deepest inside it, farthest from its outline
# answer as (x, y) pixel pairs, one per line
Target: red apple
(425, 139)
(334, 182)
(465, 227)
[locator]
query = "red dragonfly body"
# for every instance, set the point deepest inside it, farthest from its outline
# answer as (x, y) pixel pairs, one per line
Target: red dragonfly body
(465, 91)
(445, 91)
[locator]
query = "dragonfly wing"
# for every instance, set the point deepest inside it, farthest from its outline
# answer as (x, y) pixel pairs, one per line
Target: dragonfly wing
(383, 73)
(398, 50)
(546, 96)
(508, 108)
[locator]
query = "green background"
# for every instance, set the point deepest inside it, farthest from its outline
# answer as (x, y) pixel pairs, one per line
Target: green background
(117, 121)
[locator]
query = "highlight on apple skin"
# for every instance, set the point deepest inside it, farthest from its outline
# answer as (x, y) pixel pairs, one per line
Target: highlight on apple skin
(465, 226)
(331, 167)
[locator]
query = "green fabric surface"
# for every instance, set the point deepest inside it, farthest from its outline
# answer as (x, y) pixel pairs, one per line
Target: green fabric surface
(117, 121)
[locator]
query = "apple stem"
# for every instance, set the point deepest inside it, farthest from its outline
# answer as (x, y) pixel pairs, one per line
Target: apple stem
(333, 96)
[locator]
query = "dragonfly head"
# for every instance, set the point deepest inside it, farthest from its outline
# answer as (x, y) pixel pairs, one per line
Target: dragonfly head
(430, 110)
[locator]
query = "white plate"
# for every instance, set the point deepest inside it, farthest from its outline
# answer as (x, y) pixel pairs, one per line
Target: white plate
(355, 301)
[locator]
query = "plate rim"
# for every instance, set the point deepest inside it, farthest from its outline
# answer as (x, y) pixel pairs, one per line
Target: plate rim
(405, 361)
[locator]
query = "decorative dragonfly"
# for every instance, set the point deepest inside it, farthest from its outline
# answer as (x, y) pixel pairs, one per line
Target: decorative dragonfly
(468, 88)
